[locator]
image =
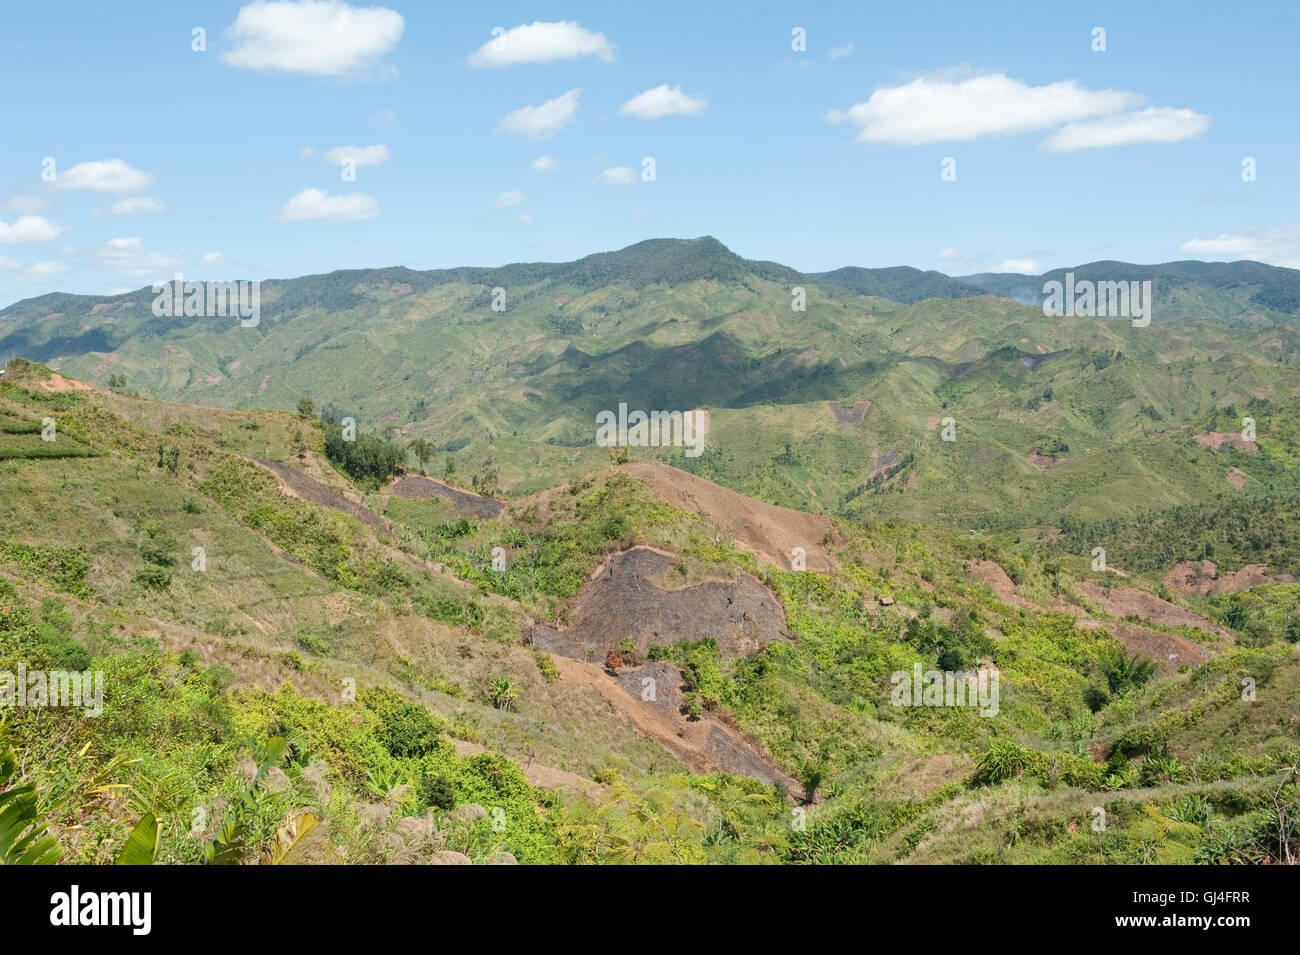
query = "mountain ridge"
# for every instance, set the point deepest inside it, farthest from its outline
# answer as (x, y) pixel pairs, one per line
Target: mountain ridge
(675, 261)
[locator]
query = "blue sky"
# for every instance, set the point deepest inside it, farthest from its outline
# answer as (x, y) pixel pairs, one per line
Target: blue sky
(167, 159)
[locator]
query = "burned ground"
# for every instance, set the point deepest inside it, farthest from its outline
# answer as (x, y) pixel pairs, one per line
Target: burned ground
(466, 504)
(621, 601)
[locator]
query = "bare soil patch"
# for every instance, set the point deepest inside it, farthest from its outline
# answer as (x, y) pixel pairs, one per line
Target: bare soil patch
(620, 601)
(852, 415)
(466, 503)
(1203, 577)
(57, 383)
(767, 531)
(297, 484)
(1130, 601)
(706, 745)
(1167, 651)
(545, 777)
(1217, 439)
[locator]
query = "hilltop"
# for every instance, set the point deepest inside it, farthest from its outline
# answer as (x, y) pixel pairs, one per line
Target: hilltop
(837, 409)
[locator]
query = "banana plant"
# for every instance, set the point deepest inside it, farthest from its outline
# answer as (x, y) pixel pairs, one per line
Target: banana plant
(288, 836)
(24, 834)
(228, 847)
(142, 845)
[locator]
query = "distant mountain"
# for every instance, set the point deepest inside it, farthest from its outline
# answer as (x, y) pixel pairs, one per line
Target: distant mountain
(901, 283)
(835, 408)
(1229, 293)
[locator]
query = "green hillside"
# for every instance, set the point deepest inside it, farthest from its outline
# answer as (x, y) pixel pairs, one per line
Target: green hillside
(681, 325)
(362, 648)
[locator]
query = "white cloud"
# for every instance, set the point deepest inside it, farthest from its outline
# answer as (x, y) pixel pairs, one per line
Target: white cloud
(31, 274)
(360, 155)
(544, 164)
(138, 206)
(109, 175)
(523, 219)
(948, 255)
(385, 117)
(544, 121)
(213, 259)
(128, 257)
(618, 176)
(541, 43)
(511, 197)
(1151, 125)
(1273, 246)
(28, 230)
(1021, 266)
(840, 51)
(316, 204)
(27, 205)
(663, 101)
(307, 152)
(314, 37)
(942, 107)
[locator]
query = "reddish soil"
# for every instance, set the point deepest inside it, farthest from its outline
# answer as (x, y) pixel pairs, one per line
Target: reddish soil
(1217, 439)
(620, 601)
(1167, 651)
(466, 503)
(1004, 588)
(767, 531)
(1040, 460)
(1129, 601)
(57, 383)
(1203, 577)
(706, 745)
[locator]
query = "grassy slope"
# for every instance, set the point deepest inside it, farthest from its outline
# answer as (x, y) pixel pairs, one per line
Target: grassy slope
(900, 783)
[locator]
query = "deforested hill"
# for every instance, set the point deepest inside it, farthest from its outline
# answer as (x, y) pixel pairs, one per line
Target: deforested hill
(634, 666)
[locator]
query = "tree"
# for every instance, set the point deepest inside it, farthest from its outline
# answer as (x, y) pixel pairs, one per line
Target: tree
(306, 406)
(450, 470)
(423, 451)
(489, 483)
